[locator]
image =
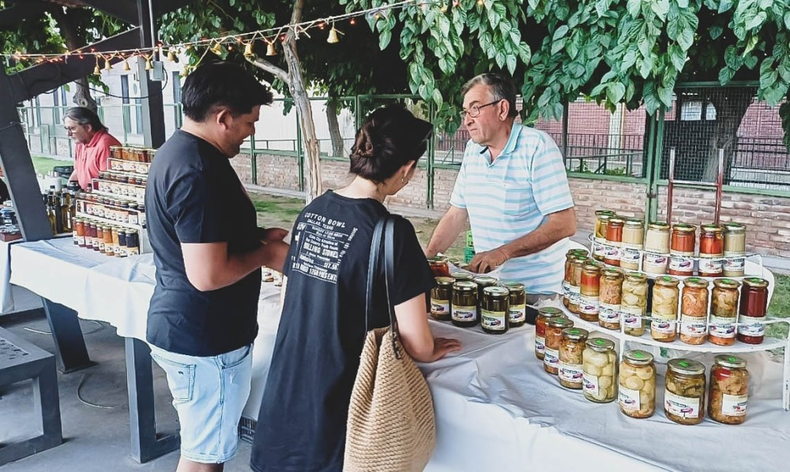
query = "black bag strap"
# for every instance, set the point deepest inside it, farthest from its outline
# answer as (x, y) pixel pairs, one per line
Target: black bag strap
(385, 228)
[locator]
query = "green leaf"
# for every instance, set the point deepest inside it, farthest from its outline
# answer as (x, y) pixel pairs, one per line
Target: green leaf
(560, 33)
(557, 46)
(726, 75)
(750, 44)
(787, 20)
(768, 79)
(660, 8)
(598, 89)
(524, 53)
(750, 61)
(665, 95)
(511, 63)
(765, 4)
(725, 5)
(633, 7)
(686, 38)
(677, 56)
(384, 39)
(437, 98)
(758, 20)
(615, 92)
(444, 25)
(683, 3)
(715, 32)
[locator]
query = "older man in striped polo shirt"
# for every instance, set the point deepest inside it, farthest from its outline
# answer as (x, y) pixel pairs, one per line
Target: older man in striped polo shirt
(513, 188)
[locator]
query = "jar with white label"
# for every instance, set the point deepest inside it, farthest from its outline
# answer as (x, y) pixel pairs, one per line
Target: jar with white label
(637, 382)
(571, 348)
(495, 310)
(663, 324)
(441, 298)
(610, 297)
(656, 254)
(634, 304)
(541, 324)
(600, 367)
(464, 306)
(684, 396)
(723, 312)
(551, 355)
(752, 311)
(518, 303)
(694, 311)
(729, 390)
(631, 250)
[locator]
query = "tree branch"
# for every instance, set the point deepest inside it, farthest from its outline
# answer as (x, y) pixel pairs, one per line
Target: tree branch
(271, 68)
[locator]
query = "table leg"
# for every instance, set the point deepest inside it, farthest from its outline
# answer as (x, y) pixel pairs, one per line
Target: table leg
(146, 444)
(70, 351)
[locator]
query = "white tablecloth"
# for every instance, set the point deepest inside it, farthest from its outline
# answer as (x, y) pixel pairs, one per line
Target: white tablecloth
(496, 408)
(13, 299)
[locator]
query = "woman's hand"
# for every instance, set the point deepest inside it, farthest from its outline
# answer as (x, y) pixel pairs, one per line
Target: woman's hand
(444, 346)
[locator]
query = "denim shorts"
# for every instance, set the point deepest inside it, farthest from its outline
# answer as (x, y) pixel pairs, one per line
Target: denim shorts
(209, 394)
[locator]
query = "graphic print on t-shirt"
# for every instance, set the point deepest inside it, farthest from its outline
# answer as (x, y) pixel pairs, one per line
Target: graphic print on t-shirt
(322, 243)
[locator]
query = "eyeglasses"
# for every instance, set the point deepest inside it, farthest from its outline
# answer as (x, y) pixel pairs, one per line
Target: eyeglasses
(72, 128)
(474, 110)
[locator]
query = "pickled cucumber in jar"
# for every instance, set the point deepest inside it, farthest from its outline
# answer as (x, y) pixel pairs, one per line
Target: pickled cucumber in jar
(685, 391)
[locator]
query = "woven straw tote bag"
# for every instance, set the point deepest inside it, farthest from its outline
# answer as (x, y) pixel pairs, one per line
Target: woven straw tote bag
(391, 425)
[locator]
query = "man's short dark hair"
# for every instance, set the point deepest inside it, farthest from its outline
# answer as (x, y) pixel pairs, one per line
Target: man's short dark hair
(222, 84)
(85, 116)
(501, 87)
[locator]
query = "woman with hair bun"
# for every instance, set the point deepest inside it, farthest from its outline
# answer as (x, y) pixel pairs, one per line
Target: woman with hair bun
(302, 420)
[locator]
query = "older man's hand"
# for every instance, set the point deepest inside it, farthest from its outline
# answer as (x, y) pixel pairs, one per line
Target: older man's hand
(487, 261)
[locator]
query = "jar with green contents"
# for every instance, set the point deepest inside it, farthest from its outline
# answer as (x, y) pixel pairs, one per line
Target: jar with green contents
(495, 310)
(685, 391)
(464, 306)
(482, 282)
(600, 368)
(441, 298)
(518, 303)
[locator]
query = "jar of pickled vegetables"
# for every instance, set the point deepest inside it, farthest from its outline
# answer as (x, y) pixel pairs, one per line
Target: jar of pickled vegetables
(577, 266)
(601, 222)
(694, 311)
(495, 310)
(441, 298)
(518, 303)
(752, 312)
(571, 349)
(590, 286)
(464, 306)
(663, 325)
(566, 280)
(634, 304)
(600, 367)
(610, 297)
(551, 355)
(541, 321)
(728, 394)
(723, 312)
(637, 382)
(684, 397)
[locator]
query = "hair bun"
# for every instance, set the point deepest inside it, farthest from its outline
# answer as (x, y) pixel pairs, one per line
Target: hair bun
(364, 147)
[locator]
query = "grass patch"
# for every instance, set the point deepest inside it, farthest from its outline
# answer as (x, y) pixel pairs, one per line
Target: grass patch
(780, 306)
(43, 165)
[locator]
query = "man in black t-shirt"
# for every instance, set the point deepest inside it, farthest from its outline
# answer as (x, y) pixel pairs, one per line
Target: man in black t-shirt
(208, 252)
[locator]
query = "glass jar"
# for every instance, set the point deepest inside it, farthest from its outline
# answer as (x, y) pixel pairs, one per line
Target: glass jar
(694, 311)
(610, 297)
(495, 310)
(681, 265)
(571, 348)
(684, 397)
(98, 240)
(683, 240)
(633, 233)
(541, 321)
(464, 307)
(614, 239)
(482, 282)
(634, 304)
(551, 355)
(518, 303)
(132, 243)
(106, 247)
(600, 368)
(566, 281)
(728, 394)
(734, 239)
(577, 266)
(439, 266)
(711, 250)
(752, 311)
(601, 222)
(441, 298)
(723, 312)
(79, 231)
(637, 382)
(654, 264)
(590, 286)
(461, 276)
(657, 238)
(663, 326)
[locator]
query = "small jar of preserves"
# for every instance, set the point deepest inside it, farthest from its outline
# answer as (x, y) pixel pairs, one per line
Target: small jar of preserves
(634, 304)
(601, 222)
(663, 325)
(734, 239)
(98, 240)
(482, 282)
(441, 298)
(752, 311)
(132, 243)
(464, 306)
(711, 250)
(106, 247)
(684, 397)
(657, 238)
(723, 312)
(728, 395)
(590, 286)
(79, 231)
(694, 311)
(518, 304)
(610, 297)
(637, 382)
(631, 251)
(577, 266)
(541, 320)
(571, 348)
(495, 310)
(551, 355)
(600, 368)
(683, 240)
(438, 264)
(614, 241)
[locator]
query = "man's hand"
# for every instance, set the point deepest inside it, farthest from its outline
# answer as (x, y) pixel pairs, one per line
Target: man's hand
(487, 261)
(272, 234)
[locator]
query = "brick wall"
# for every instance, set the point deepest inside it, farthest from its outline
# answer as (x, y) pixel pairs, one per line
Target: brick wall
(589, 195)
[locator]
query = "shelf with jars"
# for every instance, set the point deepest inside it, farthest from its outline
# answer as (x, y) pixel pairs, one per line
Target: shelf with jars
(120, 184)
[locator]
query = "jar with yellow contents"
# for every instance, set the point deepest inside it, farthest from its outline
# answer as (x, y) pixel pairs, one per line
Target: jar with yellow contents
(600, 368)
(637, 382)
(634, 304)
(693, 311)
(663, 324)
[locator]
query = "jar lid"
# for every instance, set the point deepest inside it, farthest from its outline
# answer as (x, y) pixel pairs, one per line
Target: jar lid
(695, 282)
(684, 228)
(726, 283)
(445, 280)
(616, 220)
(575, 334)
(730, 361)
(485, 280)
(667, 281)
(465, 286)
(638, 357)
(461, 276)
(711, 228)
(634, 223)
(514, 286)
(755, 282)
(658, 226)
(560, 322)
(686, 366)
(496, 291)
(612, 274)
(636, 277)
(604, 212)
(549, 311)
(600, 344)
(733, 227)
(579, 260)
(437, 260)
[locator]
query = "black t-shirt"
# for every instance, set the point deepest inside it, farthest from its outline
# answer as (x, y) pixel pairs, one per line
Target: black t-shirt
(194, 196)
(302, 421)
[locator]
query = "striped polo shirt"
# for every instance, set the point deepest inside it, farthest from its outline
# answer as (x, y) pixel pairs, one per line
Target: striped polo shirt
(511, 198)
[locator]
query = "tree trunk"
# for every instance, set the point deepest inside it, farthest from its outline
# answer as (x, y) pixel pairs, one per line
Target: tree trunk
(82, 97)
(731, 104)
(338, 148)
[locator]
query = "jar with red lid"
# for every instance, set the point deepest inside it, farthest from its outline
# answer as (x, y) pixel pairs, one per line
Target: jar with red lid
(614, 239)
(683, 240)
(590, 286)
(711, 250)
(752, 312)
